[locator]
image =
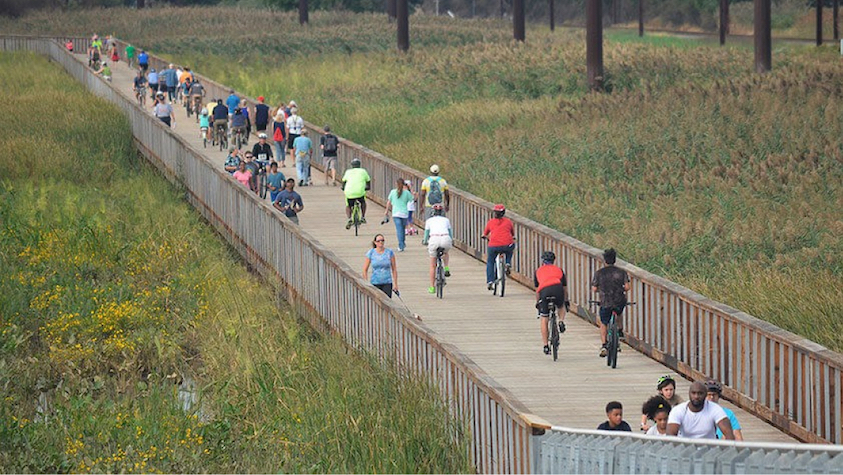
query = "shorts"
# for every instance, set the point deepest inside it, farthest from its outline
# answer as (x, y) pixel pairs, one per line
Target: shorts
(385, 288)
(330, 163)
(292, 138)
(260, 127)
(351, 201)
(558, 292)
(445, 242)
(144, 66)
(606, 314)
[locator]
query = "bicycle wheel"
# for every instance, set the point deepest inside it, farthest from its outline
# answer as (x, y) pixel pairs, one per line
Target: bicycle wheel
(205, 141)
(440, 278)
(612, 343)
(502, 275)
(262, 185)
(356, 217)
(554, 334)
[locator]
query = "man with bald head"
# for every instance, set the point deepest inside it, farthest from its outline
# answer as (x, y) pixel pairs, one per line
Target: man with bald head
(699, 418)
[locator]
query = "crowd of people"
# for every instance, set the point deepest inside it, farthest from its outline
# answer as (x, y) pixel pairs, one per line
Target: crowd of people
(664, 414)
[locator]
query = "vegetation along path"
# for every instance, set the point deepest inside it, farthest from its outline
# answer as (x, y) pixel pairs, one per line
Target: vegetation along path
(500, 335)
(112, 291)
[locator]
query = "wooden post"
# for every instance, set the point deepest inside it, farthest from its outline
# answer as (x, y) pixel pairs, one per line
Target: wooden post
(390, 9)
(763, 40)
(518, 19)
(302, 12)
(640, 17)
(834, 9)
(552, 19)
(594, 43)
(141, 4)
(819, 22)
(403, 17)
(724, 20)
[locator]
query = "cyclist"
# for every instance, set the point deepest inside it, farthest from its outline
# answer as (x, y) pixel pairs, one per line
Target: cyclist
(197, 92)
(713, 391)
(238, 124)
(143, 60)
(252, 166)
(186, 80)
(139, 84)
(438, 233)
(153, 83)
(501, 234)
(612, 283)
(93, 57)
(262, 150)
(699, 418)
(434, 190)
(220, 114)
(355, 183)
(550, 281)
(205, 124)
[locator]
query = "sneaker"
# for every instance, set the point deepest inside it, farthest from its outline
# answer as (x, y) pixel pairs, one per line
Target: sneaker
(431, 290)
(400, 249)
(508, 269)
(489, 285)
(348, 224)
(561, 326)
(447, 271)
(603, 352)
(546, 349)
(301, 182)
(362, 220)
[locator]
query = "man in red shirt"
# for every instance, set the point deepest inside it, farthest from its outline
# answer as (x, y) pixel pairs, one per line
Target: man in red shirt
(550, 280)
(501, 236)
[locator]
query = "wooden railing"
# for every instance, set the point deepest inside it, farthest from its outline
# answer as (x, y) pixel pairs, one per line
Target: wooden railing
(793, 383)
(499, 427)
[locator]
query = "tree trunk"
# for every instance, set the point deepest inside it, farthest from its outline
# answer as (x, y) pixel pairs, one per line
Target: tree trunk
(518, 19)
(763, 55)
(303, 12)
(594, 43)
(552, 19)
(403, 17)
(390, 9)
(819, 22)
(640, 17)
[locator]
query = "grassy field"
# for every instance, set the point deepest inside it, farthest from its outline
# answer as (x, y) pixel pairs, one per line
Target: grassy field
(106, 308)
(694, 167)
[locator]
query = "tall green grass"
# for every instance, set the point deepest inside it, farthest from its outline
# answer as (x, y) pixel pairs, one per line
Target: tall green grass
(106, 307)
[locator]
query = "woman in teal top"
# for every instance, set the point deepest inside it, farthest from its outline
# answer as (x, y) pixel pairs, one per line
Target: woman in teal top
(397, 201)
(382, 262)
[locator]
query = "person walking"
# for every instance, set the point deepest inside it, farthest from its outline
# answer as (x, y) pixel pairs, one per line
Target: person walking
(289, 202)
(261, 115)
(382, 262)
(329, 144)
(130, 56)
(279, 133)
(303, 148)
(164, 111)
(397, 202)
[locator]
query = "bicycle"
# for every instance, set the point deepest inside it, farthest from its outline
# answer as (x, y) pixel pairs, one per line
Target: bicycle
(237, 136)
(356, 216)
(439, 273)
(501, 271)
(260, 178)
(203, 131)
(197, 106)
(613, 343)
(221, 136)
(140, 95)
(553, 328)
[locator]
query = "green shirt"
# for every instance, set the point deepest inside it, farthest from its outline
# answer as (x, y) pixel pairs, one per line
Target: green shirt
(399, 204)
(355, 180)
(130, 51)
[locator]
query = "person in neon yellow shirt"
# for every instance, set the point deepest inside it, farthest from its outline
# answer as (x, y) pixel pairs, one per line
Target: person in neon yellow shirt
(355, 182)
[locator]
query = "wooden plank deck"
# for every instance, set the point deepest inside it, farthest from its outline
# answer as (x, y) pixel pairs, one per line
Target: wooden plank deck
(500, 335)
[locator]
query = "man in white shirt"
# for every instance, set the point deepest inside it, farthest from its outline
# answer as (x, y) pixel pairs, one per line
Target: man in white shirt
(699, 418)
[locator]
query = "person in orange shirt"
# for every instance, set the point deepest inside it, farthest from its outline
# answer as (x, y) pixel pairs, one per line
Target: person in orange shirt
(501, 235)
(550, 280)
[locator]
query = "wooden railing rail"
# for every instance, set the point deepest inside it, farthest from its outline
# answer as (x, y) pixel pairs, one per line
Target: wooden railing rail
(499, 427)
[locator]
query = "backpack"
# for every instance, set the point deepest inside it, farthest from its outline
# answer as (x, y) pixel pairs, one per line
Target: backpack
(435, 194)
(331, 143)
(278, 135)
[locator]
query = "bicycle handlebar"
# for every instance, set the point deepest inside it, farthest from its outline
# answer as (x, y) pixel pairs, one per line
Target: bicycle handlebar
(597, 302)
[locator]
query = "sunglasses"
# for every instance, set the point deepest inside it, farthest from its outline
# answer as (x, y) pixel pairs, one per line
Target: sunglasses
(379, 240)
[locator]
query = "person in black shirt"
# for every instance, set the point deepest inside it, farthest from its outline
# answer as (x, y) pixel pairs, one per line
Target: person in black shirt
(612, 283)
(220, 114)
(261, 115)
(614, 412)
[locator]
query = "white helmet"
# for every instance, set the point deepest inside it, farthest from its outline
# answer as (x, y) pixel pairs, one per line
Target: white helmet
(434, 169)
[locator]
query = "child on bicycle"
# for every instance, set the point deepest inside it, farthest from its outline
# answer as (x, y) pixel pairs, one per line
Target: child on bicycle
(612, 283)
(205, 124)
(550, 281)
(438, 233)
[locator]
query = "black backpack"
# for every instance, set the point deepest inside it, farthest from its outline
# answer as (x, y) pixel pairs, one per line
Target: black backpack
(331, 143)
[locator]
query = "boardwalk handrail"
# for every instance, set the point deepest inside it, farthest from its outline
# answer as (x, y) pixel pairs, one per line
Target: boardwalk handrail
(300, 268)
(790, 381)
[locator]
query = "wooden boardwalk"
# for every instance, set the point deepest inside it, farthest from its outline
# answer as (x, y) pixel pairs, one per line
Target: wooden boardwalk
(500, 335)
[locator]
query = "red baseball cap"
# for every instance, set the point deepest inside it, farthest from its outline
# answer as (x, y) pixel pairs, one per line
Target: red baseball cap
(260, 98)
